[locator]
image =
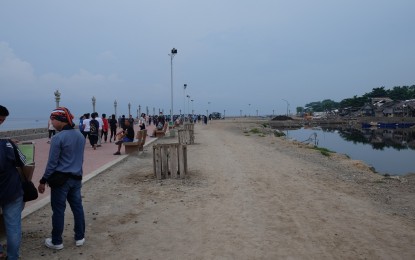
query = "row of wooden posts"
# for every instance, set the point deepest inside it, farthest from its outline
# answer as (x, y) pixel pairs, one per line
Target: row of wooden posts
(170, 160)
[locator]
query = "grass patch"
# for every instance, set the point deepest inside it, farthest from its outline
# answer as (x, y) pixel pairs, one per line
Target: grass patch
(278, 134)
(255, 131)
(323, 151)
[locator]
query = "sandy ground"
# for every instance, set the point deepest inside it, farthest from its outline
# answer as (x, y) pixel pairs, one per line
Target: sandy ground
(247, 196)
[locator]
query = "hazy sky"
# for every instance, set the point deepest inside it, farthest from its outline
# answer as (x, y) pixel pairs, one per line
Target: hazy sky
(231, 53)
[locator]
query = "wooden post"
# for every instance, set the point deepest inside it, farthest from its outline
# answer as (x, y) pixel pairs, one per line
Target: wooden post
(157, 161)
(170, 160)
(165, 161)
(174, 166)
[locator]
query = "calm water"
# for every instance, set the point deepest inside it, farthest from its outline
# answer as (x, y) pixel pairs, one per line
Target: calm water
(13, 123)
(389, 151)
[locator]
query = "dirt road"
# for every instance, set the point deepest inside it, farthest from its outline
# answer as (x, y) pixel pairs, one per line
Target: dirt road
(248, 196)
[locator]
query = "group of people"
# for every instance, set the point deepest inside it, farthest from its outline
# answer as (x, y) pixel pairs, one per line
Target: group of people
(63, 174)
(96, 128)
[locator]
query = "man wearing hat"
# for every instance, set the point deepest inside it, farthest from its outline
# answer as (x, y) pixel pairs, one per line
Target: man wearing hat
(63, 174)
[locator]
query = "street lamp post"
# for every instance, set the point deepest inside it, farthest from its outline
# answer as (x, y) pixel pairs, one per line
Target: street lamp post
(188, 104)
(93, 103)
(192, 107)
(288, 105)
(139, 110)
(129, 109)
(115, 108)
(249, 112)
(172, 54)
(57, 97)
(184, 98)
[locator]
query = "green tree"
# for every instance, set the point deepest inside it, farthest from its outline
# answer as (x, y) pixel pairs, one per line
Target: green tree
(378, 92)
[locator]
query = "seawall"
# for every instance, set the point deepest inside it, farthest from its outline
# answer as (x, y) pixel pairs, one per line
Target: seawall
(25, 134)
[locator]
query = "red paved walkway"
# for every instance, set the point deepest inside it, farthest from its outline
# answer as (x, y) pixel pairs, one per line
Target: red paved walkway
(95, 161)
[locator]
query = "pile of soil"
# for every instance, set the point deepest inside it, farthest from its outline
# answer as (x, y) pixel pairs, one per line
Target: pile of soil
(281, 118)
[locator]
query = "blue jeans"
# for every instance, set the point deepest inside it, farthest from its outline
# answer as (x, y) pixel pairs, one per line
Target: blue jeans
(70, 191)
(12, 214)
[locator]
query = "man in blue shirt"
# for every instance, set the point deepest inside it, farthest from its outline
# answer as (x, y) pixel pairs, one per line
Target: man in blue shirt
(11, 194)
(63, 173)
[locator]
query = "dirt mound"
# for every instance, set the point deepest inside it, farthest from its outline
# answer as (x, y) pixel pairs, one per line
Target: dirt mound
(281, 118)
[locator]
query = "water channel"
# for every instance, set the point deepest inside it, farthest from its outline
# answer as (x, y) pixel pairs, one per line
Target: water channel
(389, 151)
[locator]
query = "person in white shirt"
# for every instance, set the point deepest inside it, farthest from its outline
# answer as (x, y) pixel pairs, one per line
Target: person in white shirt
(101, 123)
(87, 127)
(51, 130)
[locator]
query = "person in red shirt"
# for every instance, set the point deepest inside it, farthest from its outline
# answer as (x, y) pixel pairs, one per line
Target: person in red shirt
(104, 127)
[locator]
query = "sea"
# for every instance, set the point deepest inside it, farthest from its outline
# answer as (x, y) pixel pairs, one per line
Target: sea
(18, 123)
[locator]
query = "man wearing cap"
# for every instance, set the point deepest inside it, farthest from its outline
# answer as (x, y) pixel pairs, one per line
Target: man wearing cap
(63, 174)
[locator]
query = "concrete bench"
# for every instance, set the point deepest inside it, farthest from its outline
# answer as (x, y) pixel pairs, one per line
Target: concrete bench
(162, 132)
(137, 144)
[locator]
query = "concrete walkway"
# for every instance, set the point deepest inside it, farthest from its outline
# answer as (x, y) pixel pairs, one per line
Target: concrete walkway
(95, 161)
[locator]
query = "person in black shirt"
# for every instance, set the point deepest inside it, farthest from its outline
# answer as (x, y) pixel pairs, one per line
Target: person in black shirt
(113, 127)
(126, 135)
(11, 194)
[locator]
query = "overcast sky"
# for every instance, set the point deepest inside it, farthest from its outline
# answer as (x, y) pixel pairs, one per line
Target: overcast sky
(230, 53)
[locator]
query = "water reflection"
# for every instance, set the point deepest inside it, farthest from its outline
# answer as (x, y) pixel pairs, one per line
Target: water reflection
(389, 151)
(379, 138)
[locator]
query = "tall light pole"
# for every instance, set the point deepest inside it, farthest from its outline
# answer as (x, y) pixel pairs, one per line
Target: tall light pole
(249, 112)
(115, 108)
(192, 107)
(129, 109)
(57, 98)
(184, 98)
(172, 54)
(188, 104)
(93, 103)
(288, 105)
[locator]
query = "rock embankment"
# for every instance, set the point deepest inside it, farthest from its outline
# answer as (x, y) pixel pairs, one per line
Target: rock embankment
(25, 134)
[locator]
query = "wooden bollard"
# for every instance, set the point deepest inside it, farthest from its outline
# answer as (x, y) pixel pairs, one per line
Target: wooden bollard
(186, 136)
(189, 126)
(170, 160)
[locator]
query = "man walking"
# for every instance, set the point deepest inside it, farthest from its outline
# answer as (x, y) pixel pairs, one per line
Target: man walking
(63, 173)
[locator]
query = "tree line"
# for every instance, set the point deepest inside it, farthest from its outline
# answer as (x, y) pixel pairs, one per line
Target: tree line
(396, 93)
